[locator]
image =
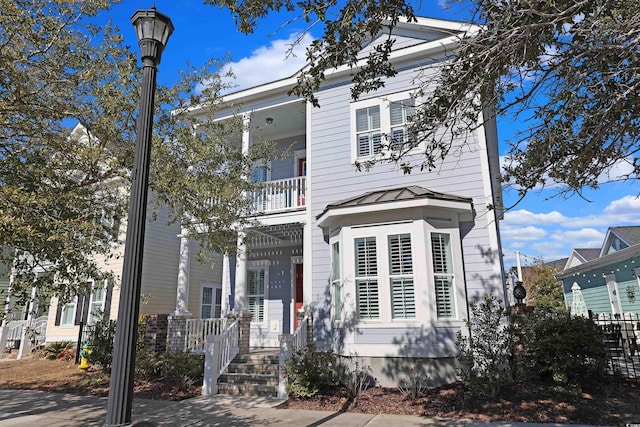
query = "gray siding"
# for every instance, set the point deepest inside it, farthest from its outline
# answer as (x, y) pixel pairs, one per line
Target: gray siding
(335, 178)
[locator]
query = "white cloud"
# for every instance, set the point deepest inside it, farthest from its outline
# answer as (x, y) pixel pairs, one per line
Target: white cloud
(523, 216)
(583, 238)
(522, 233)
(281, 58)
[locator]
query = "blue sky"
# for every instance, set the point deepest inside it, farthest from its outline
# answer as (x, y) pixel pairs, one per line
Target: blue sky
(539, 226)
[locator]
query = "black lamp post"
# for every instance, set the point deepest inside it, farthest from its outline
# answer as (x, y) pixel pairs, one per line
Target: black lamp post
(153, 30)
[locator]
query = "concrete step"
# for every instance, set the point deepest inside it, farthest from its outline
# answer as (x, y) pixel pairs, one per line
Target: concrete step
(255, 358)
(248, 389)
(230, 378)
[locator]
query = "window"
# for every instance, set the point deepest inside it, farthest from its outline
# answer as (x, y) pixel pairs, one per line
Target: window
(368, 131)
(401, 113)
(443, 274)
(255, 293)
(403, 300)
(96, 304)
(368, 304)
(335, 281)
(69, 313)
(380, 125)
(211, 302)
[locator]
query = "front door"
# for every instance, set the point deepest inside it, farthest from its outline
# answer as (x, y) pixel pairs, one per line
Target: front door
(299, 300)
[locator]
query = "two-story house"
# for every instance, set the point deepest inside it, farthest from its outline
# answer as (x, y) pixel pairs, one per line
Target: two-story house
(387, 262)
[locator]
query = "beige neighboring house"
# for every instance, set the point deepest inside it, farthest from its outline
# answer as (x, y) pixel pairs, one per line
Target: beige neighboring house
(162, 254)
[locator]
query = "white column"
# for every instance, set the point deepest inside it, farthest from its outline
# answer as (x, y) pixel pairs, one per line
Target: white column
(241, 274)
(226, 285)
(4, 326)
(25, 341)
(182, 292)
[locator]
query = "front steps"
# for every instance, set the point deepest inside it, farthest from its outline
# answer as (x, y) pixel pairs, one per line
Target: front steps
(253, 374)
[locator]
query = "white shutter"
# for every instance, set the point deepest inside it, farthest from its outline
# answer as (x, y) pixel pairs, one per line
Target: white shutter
(403, 301)
(368, 303)
(255, 293)
(368, 299)
(368, 131)
(443, 274)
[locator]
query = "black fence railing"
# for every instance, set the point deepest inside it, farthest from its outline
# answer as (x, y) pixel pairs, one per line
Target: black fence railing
(621, 336)
(85, 334)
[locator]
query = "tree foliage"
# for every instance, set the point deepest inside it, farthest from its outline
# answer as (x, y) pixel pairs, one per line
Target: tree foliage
(64, 193)
(544, 291)
(565, 71)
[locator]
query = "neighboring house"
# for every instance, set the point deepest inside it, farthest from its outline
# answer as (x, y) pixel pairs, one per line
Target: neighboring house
(159, 276)
(606, 278)
(385, 261)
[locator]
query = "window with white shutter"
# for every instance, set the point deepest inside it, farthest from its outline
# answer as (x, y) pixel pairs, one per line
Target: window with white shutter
(368, 133)
(255, 293)
(443, 274)
(367, 292)
(403, 300)
(401, 113)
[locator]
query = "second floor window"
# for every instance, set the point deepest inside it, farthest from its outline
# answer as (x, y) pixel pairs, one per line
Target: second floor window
(368, 131)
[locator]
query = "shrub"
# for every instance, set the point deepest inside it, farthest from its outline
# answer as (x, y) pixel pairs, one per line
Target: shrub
(101, 342)
(565, 349)
(60, 350)
(310, 372)
(483, 357)
(415, 381)
(355, 376)
(181, 370)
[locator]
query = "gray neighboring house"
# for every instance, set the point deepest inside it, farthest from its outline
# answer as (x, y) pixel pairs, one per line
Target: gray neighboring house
(386, 262)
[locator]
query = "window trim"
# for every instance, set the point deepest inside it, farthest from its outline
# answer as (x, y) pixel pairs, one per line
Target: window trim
(384, 102)
(216, 290)
(73, 302)
(94, 286)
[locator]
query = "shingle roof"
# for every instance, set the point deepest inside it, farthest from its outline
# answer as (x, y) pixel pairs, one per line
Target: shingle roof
(629, 234)
(588, 253)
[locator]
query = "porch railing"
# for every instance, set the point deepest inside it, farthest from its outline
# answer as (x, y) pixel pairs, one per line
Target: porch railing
(37, 330)
(220, 349)
(199, 329)
(15, 328)
(280, 195)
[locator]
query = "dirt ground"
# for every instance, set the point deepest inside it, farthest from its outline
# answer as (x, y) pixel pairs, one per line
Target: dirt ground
(616, 402)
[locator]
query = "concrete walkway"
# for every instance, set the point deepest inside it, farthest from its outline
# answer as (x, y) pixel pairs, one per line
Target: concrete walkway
(35, 408)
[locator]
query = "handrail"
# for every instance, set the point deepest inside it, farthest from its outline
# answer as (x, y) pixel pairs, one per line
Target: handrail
(198, 329)
(300, 335)
(220, 350)
(280, 195)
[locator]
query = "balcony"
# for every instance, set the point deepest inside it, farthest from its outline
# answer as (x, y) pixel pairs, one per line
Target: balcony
(280, 196)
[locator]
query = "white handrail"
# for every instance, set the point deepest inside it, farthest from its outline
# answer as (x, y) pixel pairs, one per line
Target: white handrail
(219, 352)
(300, 335)
(198, 329)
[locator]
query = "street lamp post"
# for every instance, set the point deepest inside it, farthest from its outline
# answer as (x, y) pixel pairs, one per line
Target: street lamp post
(153, 30)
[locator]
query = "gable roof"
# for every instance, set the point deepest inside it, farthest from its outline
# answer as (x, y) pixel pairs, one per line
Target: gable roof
(587, 254)
(628, 235)
(449, 33)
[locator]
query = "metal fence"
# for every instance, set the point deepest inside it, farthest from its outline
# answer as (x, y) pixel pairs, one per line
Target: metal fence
(621, 336)
(85, 334)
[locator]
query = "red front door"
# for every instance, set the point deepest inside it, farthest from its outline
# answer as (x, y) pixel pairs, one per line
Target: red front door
(299, 300)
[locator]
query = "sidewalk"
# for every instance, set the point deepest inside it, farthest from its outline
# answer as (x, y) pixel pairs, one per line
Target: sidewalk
(35, 408)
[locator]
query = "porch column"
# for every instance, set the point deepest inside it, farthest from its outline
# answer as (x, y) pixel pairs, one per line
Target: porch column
(25, 341)
(240, 300)
(226, 285)
(4, 326)
(182, 294)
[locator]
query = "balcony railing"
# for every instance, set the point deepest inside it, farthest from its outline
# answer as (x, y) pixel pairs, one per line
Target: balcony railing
(281, 195)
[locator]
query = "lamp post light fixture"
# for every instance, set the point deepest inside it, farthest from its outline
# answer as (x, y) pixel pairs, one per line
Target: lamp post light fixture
(153, 30)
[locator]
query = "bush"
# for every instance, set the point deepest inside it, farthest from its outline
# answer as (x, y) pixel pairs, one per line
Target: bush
(415, 381)
(355, 376)
(101, 342)
(484, 356)
(60, 350)
(181, 370)
(564, 349)
(310, 372)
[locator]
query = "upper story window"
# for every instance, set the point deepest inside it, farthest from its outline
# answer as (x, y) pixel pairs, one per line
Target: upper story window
(381, 125)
